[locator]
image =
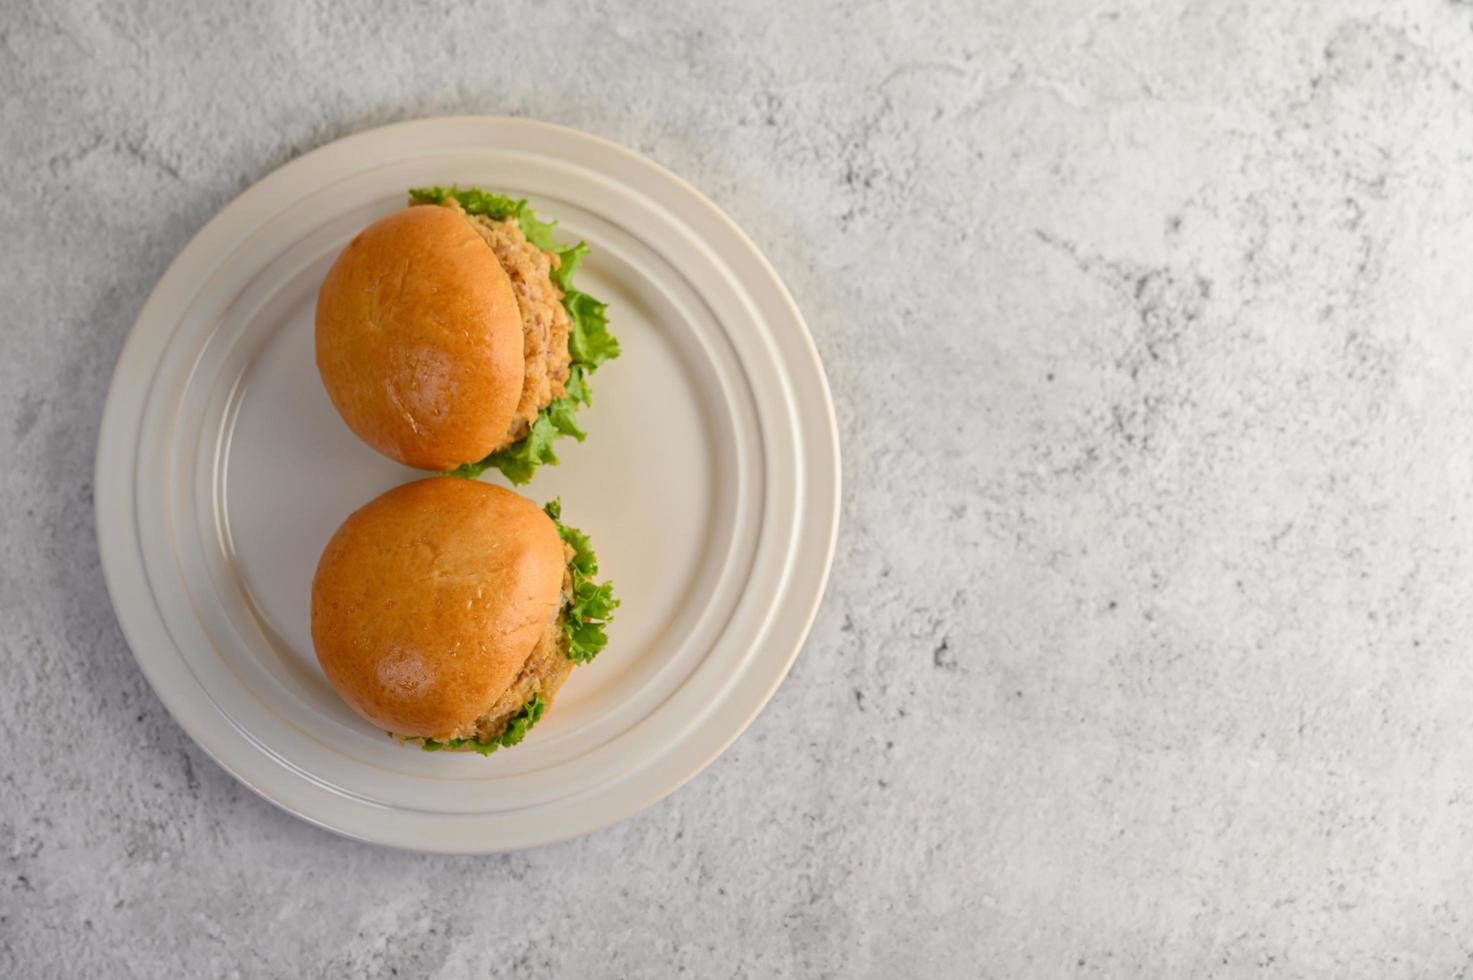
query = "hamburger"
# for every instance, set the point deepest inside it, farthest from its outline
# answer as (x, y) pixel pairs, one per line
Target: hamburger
(448, 612)
(450, 336)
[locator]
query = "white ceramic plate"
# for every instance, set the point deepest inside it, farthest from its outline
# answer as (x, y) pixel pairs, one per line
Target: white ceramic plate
(709, 483)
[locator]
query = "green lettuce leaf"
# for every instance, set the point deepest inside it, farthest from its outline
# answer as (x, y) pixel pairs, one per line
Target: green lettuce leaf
(589, 341)
(569, 259)
(497, 207)
(591, 606)
(516, 730)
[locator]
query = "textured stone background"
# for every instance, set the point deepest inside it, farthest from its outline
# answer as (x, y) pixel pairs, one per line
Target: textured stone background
(1146, 652)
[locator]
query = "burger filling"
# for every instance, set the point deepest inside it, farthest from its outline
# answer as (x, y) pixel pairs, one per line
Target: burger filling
(544, 320)
(565, 334)
(575, 635)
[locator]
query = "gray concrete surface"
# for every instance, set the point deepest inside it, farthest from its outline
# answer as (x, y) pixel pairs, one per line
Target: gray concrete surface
(1147, 648)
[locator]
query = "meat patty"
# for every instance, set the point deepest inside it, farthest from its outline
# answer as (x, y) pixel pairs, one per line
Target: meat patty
(544, 320)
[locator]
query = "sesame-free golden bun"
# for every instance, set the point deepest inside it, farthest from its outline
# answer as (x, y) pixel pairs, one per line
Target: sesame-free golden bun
(419, 339)
(430, 598)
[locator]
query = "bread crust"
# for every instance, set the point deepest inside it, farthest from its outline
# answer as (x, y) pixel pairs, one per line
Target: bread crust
(419, 339)
(429, 600)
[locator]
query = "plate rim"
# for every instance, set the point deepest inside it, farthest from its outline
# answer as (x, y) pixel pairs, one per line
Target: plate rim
(115, 542)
